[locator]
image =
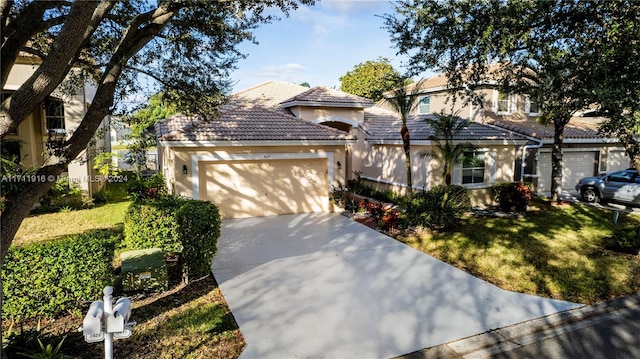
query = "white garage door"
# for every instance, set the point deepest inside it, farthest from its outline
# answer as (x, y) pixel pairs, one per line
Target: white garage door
(617, 160)
(576, 165)
(264, 188)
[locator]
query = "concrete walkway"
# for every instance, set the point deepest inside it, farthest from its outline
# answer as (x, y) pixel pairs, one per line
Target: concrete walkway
(323, 286)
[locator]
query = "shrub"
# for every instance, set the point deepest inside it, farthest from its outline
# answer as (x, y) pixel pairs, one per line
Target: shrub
(62, 195)
(199, 229)
(45, 279)
(426, 210)
(150, 188)
(152, 224)
(101, 197)
(512, 197)
(178, 226)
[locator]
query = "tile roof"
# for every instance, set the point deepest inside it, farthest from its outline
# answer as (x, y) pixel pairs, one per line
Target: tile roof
(384, 125)
(268, 94)
(246, 122)
(577, 128)
(322, 96)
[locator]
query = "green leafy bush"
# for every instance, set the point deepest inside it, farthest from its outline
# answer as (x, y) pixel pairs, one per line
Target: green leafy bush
(426, 209)
(178, 226)
(199, 229)
(101, 197)
(152, 224)
(63, 195)
(512, 197)
(145, 189)
(44, 279)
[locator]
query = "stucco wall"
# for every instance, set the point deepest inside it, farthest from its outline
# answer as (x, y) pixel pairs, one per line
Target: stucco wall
(33, 133)
(322, 114)
(385, 164)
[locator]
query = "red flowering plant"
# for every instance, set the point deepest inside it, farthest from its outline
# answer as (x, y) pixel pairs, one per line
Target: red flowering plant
(513, 197)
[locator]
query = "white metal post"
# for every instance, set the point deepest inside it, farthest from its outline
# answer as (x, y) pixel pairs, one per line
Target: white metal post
(108, 310)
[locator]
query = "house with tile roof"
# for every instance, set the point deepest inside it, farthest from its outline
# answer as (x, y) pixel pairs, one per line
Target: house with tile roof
(279, 148)
(586, 152)
(53, 122)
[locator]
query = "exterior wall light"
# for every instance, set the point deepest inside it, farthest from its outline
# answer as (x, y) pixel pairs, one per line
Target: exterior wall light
(339, 165)
(185, 170)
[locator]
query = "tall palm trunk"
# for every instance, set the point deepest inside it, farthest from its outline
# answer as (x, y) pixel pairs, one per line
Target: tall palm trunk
(406, 144)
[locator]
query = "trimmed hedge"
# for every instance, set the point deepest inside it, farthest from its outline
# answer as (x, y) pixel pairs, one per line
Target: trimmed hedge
(178, 226)
(45, 279)
(153, 224)
(199, 229)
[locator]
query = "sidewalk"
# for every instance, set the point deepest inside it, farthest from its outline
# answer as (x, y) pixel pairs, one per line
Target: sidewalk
(604, 330)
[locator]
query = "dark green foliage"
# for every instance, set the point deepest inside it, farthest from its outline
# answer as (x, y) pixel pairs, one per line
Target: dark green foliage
(44, 279)
(63, 195)
(512, 197)
(101, 197)
(150, 188)
(371, 79)
(177, 226)
(152, 224)
(359, 187)
(426, 208)
(198, 229)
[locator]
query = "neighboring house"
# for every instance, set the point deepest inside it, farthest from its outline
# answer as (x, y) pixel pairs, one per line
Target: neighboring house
(280, 148)
(55, 120)
(586, 152)
(256, 158)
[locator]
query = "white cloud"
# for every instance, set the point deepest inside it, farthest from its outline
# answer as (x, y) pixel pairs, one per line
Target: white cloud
(288, 72)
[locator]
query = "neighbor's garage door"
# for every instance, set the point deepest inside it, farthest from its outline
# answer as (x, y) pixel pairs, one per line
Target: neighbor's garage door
(617, 160)
(264, 188)
(576, 166)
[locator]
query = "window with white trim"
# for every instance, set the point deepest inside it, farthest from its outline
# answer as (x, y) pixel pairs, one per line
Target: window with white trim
(532, 107)
(54, 114)
(473, 167)
(424, 104)
(504, 103)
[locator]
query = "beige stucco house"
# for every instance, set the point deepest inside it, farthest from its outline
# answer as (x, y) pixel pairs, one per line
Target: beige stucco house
(280, 148)
(586, 152)
(55, 120)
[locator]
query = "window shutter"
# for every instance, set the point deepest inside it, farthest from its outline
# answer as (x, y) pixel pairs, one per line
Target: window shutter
(457, 174)
(527, 105)
(513, 106)
(492, 159)
(494, 100)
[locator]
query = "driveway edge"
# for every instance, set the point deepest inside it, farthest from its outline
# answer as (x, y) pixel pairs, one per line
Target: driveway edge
(518, 335)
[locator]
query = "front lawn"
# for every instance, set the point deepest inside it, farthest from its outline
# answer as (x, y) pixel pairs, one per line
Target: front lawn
(554, 252)
(187, 321)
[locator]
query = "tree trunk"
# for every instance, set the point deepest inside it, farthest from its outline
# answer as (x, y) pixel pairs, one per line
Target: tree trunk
(556, 161)
(406, 144)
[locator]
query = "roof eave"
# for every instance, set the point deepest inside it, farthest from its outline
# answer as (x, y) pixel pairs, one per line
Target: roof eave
(254, 143)
(325, 104)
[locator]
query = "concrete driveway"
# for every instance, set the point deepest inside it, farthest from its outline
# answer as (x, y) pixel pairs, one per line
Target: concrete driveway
(323, 286)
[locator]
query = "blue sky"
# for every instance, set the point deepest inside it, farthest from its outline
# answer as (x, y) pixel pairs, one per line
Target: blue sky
(317, 44)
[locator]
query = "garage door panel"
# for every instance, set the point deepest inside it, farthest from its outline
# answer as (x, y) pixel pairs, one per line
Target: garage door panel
(264, 188)
(576, 165)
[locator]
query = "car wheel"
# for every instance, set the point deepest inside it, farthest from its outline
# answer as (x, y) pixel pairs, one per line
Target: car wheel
(590, 195)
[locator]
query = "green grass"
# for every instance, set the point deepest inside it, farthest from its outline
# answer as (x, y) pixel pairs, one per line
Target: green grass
(555, 252)
(187, 321)
(53, 225)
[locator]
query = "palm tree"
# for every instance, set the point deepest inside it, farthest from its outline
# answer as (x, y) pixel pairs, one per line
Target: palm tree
(404, 101)
(445, 127)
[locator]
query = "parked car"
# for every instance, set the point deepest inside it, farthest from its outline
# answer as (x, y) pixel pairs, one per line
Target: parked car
(622, 186)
